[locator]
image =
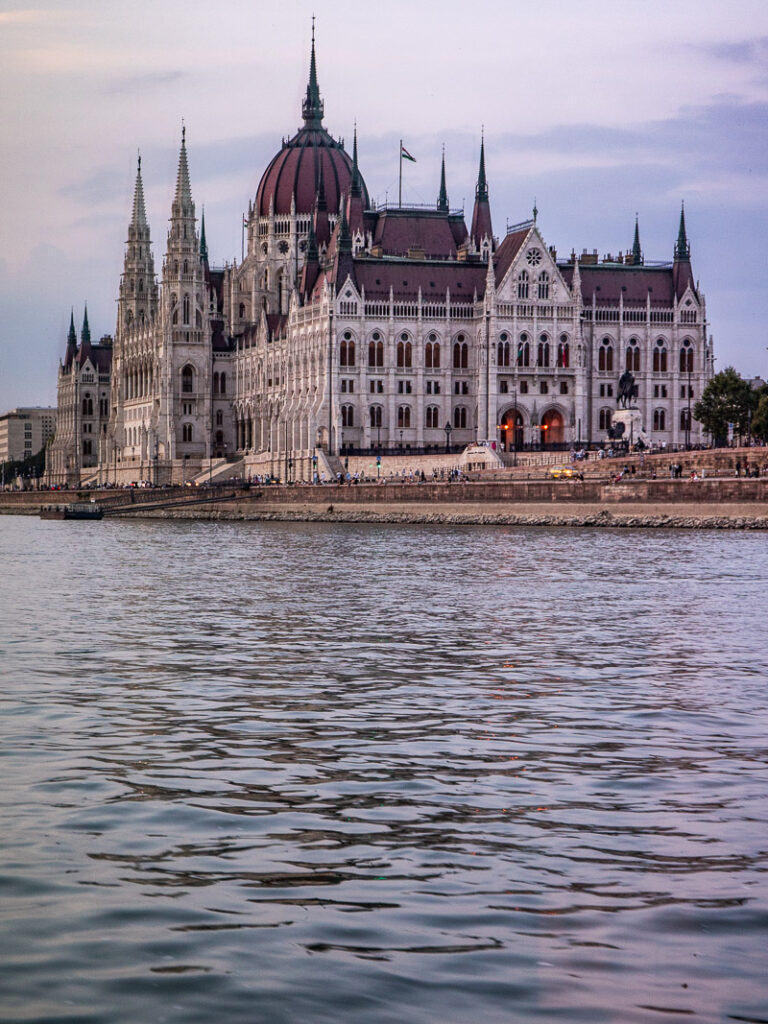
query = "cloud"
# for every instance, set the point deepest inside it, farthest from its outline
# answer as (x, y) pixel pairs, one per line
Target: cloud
(746, 51)
(150, 81)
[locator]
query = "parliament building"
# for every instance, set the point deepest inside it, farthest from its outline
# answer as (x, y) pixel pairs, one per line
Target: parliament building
(351, 327)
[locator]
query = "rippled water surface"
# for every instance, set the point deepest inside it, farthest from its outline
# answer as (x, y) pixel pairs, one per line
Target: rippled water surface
(316, 773)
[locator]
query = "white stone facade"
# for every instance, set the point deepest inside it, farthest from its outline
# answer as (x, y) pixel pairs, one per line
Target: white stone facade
(349, 327)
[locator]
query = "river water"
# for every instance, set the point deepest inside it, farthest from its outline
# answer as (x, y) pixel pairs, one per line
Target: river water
(265, 772)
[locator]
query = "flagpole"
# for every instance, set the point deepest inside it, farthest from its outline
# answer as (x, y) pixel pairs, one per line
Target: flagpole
(400, 192)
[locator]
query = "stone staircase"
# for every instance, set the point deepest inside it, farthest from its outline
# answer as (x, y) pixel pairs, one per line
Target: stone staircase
(217, 471)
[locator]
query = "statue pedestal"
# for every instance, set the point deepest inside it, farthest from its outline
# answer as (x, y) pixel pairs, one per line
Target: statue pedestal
(633, 425)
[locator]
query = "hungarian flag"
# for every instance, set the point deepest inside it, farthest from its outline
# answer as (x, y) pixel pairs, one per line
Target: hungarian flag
(405, 155)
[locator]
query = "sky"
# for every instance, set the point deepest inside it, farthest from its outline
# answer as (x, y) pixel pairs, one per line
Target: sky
(593, 111)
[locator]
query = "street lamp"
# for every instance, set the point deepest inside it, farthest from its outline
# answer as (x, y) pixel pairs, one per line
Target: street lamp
(688, 416)
(401, 440)
(447, 428)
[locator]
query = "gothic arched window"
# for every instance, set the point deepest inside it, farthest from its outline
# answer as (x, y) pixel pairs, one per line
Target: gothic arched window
(660, 357)
(522, 284)
(633, 356)
(524, 351)
(460, 417)
(605, 356)
(543, 351)
(543, 285)
(563, 352)
(686, 357)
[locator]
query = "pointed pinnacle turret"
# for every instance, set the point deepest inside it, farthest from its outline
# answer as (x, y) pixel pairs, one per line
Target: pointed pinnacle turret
(312, 244)
(85, 334)
(183, 188)
(637, 254)
(72, 336)
(481, 191)
(312, 106)
(322, 202)
(481, 215)
(203, 243)
(682, 248)
(139, 216)
(442, 199)
(355, 188)
(345, 238)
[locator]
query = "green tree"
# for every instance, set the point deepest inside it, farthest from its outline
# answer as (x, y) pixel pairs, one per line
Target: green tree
(760, 417)
(727, 398)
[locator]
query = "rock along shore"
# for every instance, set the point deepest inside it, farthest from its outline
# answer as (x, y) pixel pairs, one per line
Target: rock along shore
(654, 517)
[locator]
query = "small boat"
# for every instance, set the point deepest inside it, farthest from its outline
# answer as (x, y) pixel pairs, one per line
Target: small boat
(75, 510)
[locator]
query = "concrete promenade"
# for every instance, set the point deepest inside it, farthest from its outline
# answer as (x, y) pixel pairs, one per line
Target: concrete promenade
(726, 502)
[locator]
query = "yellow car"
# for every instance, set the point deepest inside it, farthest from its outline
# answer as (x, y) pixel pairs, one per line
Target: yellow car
(561, 473)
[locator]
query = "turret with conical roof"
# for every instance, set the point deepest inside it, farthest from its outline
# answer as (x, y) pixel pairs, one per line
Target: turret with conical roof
(183, 257)
(682, 274)
(442, 199)
(69, 357)
(137, 300)
(203, 243)
(682, 248)
(637, 253)
(482, 232)
(85, 351)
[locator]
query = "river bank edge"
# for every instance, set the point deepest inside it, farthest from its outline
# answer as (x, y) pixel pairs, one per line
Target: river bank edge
(682, 518)
(737, 517)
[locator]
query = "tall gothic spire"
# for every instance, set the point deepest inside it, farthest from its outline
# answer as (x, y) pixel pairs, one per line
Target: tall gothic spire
(203, 243)
(481, 215)
(312, 106)
(682, 248)
(637, 254)
(442, 199)
(183, 189)
(72, 336)
(85, 334)
(139, 216)
(355, 188)
(481, 191)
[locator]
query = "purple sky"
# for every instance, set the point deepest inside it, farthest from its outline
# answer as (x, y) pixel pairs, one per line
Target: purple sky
(598, 111)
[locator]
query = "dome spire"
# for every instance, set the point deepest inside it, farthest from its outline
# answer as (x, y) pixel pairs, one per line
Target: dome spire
(312, 107)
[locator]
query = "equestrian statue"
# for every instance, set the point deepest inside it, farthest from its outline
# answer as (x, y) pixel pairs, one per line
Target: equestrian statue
(628, 390)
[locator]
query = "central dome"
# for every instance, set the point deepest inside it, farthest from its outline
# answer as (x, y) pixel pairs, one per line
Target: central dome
(307, 161)
(297, 170)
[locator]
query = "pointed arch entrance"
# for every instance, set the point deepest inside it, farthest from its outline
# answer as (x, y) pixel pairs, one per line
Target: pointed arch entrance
(552, 427)
(511, 428)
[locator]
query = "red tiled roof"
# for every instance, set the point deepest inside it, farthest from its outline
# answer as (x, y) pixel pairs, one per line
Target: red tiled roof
(608, 282)
(507, 252)
(405, 277)
(295, 169)
(398, 230)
